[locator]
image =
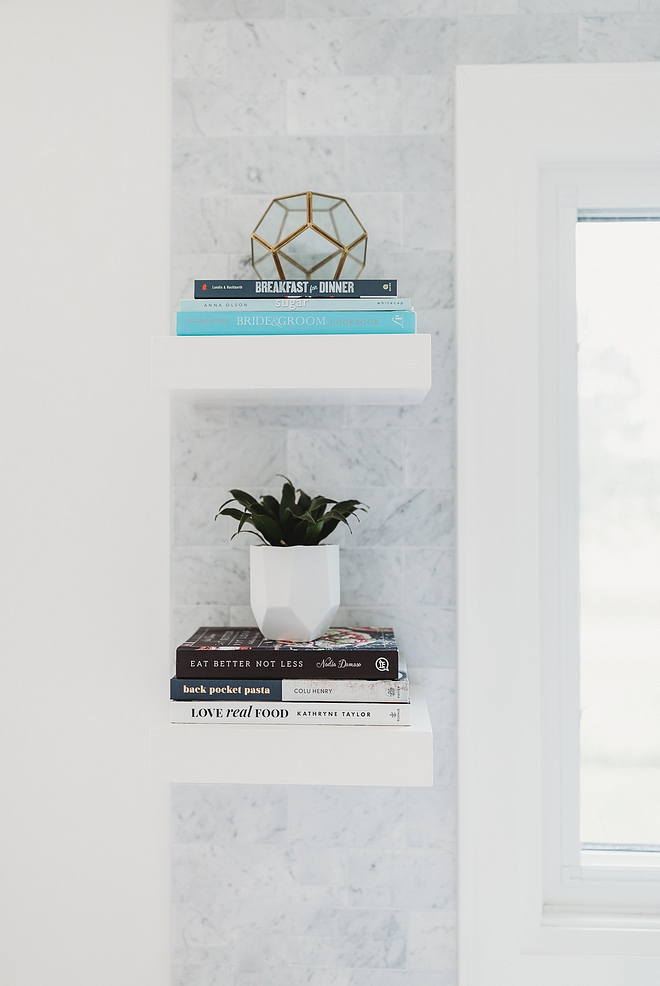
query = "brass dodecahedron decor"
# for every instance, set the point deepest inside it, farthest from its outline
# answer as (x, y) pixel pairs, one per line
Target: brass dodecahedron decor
(309, 235)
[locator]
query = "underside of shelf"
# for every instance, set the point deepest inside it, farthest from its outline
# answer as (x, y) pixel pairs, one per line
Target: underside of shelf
(227, 753)
(337, 369)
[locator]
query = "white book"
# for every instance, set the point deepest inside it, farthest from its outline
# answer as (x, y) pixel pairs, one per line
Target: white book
(292, 713)
(295, 304)
(346, 689)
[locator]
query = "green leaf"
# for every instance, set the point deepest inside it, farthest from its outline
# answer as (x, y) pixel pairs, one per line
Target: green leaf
(269, 528)
(230, 512)
(313, 534)
(329, 525)
(303, 504)
(272, 504)
(288, 497)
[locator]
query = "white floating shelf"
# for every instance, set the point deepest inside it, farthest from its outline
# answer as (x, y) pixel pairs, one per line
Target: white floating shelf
(228, 753)
(337, 369)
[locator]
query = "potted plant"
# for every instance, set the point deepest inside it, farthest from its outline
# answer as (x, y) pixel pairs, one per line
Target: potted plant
(294, 579)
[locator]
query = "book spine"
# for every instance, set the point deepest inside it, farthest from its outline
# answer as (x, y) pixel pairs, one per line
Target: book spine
(294, 304)
(310, 289)
(294, 323)
(287, 690)
(247, 664)
(225, 690)
(288, 713)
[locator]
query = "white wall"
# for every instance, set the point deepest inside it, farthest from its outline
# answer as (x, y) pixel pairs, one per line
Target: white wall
(84, 158)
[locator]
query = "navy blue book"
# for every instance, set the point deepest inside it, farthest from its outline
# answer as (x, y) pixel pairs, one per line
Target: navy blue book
(290, 689)
(296, 289)
(225, 690)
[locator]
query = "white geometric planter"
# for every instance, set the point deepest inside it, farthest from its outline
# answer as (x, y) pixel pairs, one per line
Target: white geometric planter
(294, 592)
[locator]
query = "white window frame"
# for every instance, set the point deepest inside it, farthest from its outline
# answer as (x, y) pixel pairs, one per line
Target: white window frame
(617, 884)
(534, 143)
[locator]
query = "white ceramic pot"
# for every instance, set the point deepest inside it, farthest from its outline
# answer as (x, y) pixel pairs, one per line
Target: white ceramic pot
(294, 592)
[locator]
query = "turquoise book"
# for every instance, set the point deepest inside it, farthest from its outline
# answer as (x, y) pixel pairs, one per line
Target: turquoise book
(303, 323)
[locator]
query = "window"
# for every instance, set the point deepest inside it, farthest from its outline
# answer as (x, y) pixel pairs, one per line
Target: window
(618, 357)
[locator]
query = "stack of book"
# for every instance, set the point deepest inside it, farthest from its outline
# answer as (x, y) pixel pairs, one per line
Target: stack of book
(349, 676)
(250, 308)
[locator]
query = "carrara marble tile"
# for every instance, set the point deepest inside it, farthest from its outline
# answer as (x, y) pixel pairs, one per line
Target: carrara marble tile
(426, 635)
(392, 977)
(430, 577)
(370, 877)
(371, 8)
(206, 969)
(542, 38)
(423, 879)
(208, 873)
(398, 163)
(578, 6)
(282, 416)
(488, 7)
(425, 276)
(210, 576)
(199, 48)
(265, 49)
(226, 814)
(381, 215)
(428, 105)
(241, 616)
(193, 512)
(398, 516)
(236, 457)
(227, 9)
(372, 576)
(243, 212)
(357, 105)
(415, 45)
(294, 976)
(315, 865)
(620, 38)
(226, 107)
(431, 819)
(240, 265)
(432, 944)
(323, 458)
(430, 458)
(364, 938)
(439, 685)
(346, 816)
(285, 165)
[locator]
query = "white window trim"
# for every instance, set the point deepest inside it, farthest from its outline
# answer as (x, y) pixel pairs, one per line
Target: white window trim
(582, 880)
(517, 125)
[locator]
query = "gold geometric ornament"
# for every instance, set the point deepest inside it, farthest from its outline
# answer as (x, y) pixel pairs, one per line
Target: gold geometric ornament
(309, 235)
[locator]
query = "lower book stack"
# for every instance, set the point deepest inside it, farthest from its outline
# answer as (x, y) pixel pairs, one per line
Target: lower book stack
(230, 675)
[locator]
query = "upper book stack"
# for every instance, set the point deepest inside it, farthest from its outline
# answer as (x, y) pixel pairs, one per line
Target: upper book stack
(304, 307)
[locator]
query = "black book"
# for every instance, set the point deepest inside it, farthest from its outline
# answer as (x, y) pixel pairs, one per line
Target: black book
(369, 653)
(296, 289)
